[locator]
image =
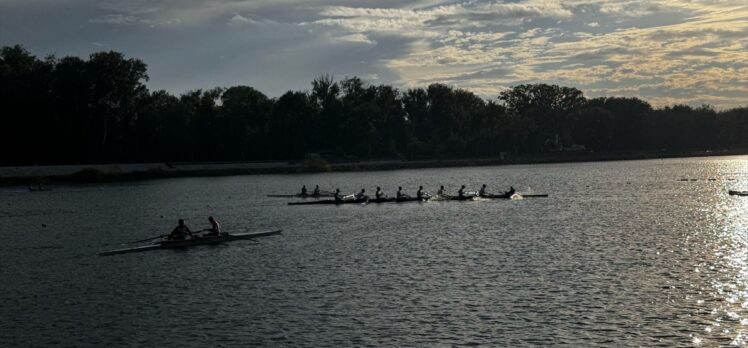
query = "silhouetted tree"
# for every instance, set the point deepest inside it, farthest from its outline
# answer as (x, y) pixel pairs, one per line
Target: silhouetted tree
(74, 110)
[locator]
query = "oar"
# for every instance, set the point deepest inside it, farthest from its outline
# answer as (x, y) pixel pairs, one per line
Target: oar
(147, 239)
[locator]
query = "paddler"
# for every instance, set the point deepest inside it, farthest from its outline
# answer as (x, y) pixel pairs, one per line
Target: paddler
(316, 190)
(461, 192)
(441, 191)
(482, 191)
(303, 190)
(215, 227)
(337, 196)
(361, 195)
(180, 232)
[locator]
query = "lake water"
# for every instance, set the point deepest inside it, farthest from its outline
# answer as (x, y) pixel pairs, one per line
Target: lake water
(620, 254)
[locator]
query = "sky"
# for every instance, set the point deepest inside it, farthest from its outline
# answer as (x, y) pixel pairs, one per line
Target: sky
(664, 51)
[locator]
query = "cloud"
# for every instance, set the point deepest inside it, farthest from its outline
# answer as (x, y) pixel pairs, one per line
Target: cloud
(357, 38)
(114, 19)
(666, 50)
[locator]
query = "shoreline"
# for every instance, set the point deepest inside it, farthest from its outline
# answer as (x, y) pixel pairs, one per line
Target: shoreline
(29, 175)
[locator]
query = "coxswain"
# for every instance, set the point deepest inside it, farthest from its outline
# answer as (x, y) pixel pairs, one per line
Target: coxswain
(461, 192)
(419, 193)
(361, 195)
(180, 232)
(337, 196)
(303, 190)
(441, 191)
(316, 190)
(379, 194)
(482, 191)
(215, 227)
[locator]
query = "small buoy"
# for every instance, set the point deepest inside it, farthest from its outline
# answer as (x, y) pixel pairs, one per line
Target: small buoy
(162, 216)
(44, 225)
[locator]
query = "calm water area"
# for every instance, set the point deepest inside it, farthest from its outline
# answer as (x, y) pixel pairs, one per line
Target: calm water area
(620, 254)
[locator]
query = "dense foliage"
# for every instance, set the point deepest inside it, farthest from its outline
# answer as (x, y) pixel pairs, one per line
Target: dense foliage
(72, 110)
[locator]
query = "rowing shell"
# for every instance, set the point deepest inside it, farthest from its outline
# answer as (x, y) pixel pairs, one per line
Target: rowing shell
(738, 193)
(298, 195)
(178, 244)
(361, 201)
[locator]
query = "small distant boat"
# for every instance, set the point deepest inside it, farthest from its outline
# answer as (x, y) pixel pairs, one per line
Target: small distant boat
(39, 188)
(738, 193)
(186, 243)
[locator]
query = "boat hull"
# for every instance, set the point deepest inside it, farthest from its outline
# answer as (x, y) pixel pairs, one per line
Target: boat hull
(180, 244)
(361, 201)
(738, 193)
(298, 195)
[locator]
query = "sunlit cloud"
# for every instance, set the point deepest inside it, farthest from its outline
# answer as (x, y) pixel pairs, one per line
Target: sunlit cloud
(661, 50)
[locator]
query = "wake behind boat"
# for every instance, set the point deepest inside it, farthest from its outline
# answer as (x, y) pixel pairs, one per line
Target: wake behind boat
(185, 243)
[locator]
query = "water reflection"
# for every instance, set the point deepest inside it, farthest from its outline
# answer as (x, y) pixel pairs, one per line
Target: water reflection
(723, 232)
(620, 254)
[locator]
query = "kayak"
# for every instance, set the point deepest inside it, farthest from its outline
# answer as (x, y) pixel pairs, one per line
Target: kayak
(299, 195)
(179, 244)
(738, 193)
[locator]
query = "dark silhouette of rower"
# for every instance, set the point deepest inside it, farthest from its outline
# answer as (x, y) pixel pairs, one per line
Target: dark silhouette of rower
(180, 232)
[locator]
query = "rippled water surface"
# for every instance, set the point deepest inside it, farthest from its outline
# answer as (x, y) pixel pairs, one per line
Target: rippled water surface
(620, 254)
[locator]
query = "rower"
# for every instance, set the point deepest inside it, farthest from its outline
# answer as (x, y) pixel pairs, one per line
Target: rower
(461, 192)
(482, 191)
(441, 191)
(215, 227)
(180, 232)
(316, 190)
(419, 193)
(379, 194)
(303, 190)
(361, 195)
(511, 190)
(400, 193)
(337, 196)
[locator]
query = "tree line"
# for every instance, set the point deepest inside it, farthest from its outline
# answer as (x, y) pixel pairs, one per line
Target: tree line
(99, 110)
